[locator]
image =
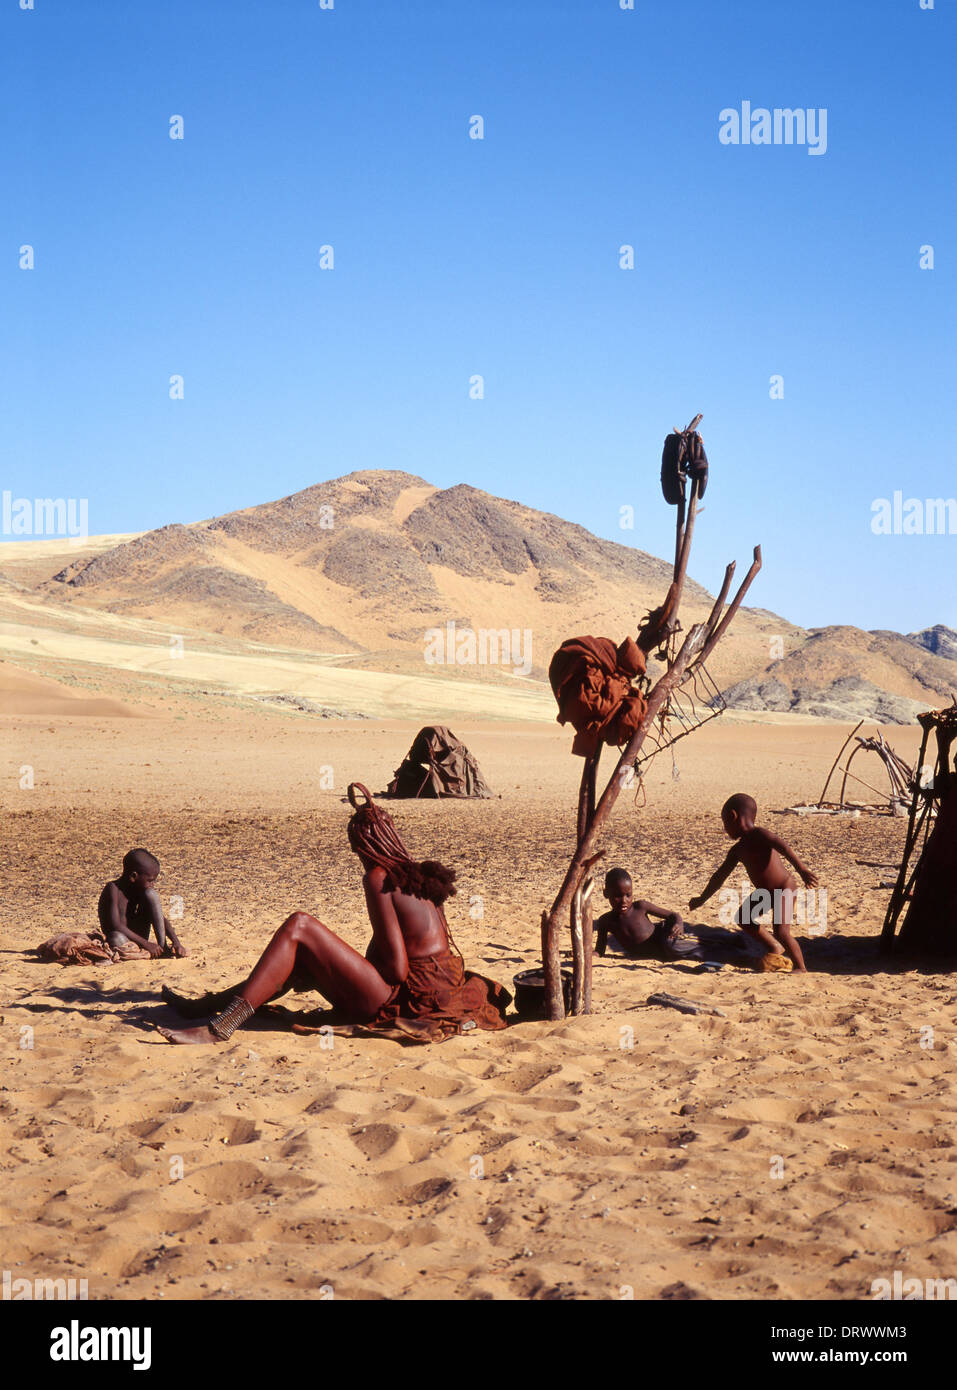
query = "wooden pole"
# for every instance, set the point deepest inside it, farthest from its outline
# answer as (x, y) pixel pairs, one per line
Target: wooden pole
(550, 920)
(588, 911)
(820, 800)
(581, 936)
(578, 954)
(699, 642)
(715, 635)
(679, 529)
(723, 595)
(586, 791)
(847, 769)
(899, 894)
(681, 562)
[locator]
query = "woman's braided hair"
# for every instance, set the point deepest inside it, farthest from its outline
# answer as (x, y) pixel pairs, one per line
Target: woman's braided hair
(372, 834)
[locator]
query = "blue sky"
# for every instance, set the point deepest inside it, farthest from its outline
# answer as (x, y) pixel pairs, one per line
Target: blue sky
(500, 257)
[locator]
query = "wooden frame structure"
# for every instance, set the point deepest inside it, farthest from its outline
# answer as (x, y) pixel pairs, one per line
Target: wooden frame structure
(574, 896)
(924, 808)
(899, 774)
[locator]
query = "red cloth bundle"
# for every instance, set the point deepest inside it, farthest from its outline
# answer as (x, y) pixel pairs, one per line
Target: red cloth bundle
(591, 679)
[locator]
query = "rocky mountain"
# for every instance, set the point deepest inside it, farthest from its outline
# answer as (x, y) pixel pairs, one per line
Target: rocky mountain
(845, 673)
(363, 567)
(940, 640)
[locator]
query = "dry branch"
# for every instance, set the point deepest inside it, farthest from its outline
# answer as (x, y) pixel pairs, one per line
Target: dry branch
(684, 1006)
(698, 644)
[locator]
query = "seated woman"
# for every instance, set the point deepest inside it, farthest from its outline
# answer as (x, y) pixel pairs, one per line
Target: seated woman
(408, 972)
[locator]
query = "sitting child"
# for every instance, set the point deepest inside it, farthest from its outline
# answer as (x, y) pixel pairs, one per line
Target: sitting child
(762, 854)
(630, 930)
(130, 907)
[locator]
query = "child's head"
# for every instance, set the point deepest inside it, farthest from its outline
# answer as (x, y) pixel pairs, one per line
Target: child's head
(618, 890)
(738, 814)
(140, 869)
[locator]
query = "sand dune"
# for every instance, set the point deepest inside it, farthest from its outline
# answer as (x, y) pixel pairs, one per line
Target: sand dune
(252, 673)
(24, 694)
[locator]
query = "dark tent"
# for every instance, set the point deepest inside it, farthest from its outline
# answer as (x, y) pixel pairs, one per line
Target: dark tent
(438, 764)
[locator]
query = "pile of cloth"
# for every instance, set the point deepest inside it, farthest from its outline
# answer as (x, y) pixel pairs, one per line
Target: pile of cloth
(592, 679)
(438, 1000)
(86, 948)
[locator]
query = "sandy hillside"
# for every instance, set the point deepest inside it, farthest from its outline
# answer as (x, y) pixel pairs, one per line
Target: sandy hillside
(362, 566)
(799, 1145)
(22, 693)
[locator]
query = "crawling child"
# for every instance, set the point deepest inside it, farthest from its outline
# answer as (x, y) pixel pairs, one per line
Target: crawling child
(629, 929)
(762, 854)
(130, 908)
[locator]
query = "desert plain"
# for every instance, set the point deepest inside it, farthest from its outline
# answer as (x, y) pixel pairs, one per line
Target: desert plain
(799, 1145)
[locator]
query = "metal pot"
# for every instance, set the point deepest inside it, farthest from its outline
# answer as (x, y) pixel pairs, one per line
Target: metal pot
(530, 992)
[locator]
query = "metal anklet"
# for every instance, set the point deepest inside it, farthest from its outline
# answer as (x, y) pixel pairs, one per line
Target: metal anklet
(232, 1017)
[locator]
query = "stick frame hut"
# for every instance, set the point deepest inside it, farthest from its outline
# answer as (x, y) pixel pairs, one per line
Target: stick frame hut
(925, 804)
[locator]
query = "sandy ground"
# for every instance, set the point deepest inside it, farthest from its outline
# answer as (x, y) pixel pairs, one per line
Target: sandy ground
(799, 1146)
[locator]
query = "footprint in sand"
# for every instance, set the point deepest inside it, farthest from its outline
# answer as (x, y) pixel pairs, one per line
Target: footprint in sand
(378, 1141)
(425, 1083)
(363, 1230)
(322, 1102)
(430, 1189)
(233, 1180)
(548, 1105)
(523, 1079)
(197, 1128)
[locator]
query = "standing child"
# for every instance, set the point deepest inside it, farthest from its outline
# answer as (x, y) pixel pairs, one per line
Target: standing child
(762, 854)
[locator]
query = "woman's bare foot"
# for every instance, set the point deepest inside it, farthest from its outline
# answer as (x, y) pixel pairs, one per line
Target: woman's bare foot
(202, 1034)
(203, 1007)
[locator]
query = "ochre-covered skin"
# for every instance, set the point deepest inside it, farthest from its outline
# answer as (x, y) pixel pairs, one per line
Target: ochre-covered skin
(408, 969)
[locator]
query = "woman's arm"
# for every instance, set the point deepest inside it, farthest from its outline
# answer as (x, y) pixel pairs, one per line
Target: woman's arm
(387, 948)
